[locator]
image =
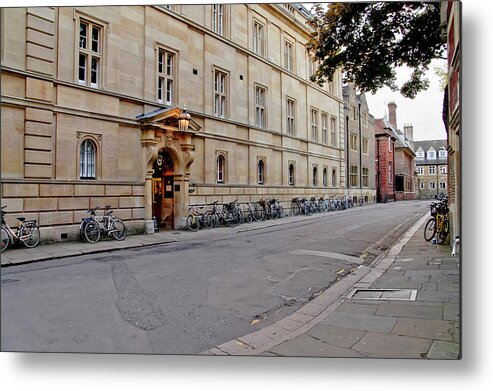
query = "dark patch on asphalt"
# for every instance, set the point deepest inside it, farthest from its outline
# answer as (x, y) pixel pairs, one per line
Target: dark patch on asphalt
(8, 280)
(136, 305)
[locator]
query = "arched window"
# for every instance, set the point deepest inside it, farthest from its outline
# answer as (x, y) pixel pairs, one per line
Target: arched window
(315, 176)
(260, 172)
(87, 166)
(291, 174)
(220, 168)
(334, 178)
(324, 177)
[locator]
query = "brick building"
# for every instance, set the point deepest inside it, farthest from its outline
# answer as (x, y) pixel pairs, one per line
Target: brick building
(394, 159)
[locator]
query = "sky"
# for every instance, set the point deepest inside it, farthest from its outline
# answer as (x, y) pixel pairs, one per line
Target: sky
(424, 112)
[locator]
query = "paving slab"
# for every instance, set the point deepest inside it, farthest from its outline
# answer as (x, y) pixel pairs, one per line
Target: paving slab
(440, 297)
(307, 346)
(360, 321)
(424, 328)
(451, 311)
(337, 336)
(411, 309)
(379, 345)
(444, 351)
(358, 308)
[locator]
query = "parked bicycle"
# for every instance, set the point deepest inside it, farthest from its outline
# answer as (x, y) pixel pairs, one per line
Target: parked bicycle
(111, 226)
(27, 232)
(198, 219)
(438, 224)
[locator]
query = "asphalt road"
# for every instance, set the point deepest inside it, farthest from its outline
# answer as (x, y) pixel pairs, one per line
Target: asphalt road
(190, 296)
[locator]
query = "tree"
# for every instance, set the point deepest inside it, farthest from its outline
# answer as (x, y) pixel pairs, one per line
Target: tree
(368, 41)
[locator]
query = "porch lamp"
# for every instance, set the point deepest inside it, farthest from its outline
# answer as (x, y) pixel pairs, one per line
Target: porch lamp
(184, 121)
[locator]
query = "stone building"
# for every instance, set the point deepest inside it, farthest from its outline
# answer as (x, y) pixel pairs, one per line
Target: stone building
(93, 112)
(394, 159)
(431, 166)
(360, 146)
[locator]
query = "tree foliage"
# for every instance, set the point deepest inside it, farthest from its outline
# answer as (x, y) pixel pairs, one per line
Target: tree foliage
(368, 41)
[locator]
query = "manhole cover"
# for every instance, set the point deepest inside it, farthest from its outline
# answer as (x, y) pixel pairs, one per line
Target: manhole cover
(384, 294)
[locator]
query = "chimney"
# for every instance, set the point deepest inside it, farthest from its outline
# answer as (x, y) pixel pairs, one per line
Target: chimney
(392, 116)
(408, 131)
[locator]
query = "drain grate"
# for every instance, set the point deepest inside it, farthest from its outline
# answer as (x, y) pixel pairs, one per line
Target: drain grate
(384, 294)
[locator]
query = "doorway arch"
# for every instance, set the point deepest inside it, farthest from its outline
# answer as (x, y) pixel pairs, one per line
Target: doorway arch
(163, 205)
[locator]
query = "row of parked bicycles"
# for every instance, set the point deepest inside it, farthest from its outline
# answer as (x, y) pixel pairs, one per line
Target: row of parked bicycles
(232, 214)
(91, 229)
(437, 226)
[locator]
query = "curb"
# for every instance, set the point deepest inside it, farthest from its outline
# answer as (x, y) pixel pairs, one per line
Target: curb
(316, 310)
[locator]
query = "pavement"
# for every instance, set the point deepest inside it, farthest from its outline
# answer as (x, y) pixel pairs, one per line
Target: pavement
(405, 304)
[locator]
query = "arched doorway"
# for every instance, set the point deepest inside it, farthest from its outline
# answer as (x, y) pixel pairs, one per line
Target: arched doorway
(163, 206)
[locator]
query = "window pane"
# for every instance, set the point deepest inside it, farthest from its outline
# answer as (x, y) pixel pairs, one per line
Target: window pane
(160, 62)
(95, 39)
(94, 70)
(169, 91)
(82, 67)
(83, 36)
(169, 65)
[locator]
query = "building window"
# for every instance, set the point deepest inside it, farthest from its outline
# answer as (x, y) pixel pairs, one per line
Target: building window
(353, 142)
(90, 54)
(432, 185)
(391, 174)
(420, 155)
(87, 166)
(314, 121)
(333, 132)
(354, 114)
(432, 154)
(166, 77)
(290, 117)
(364, 146)
(291, 178)
(421, 185)
(432, 170)
(443, 185)
(353, 176)
(364, 176)
(443, 170)
(324, 177)
(315, 176)
(334, 177)
(442, 153)
(220, 80)
(220, 168)
(260, 107)
(420, 170)
(260, 172)
(364, 119)
(258, 38)
(325, 139)
(313, 67)
(288, 56)
(390, 144)
(218, 18)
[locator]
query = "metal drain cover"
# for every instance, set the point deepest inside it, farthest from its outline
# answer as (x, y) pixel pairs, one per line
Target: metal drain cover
(384, 294)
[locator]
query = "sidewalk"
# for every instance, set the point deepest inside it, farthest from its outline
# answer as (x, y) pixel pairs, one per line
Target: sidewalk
(406, 305)
(19, 254)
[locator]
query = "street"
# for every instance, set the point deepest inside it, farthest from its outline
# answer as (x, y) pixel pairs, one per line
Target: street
(189, 296)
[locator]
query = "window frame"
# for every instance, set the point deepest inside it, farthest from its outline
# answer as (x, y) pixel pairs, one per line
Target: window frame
(420, 170)
(324, 128)
(364, 145)
(325, 177)
(315, 175)
(221, 94)
(261, 170)
(353, 142)
(221, 164)
(334, 177)
(258, 38)
(432, 170)
(365, 177)
(443, 170)
(96, 140)
(291, 173)
(333, 131)
(218, 18)
(289, 55)
(166, 80)
(290, 116)
(87, 52)
(431, 154)
(260, 108)
(314, 124)
(353, 176)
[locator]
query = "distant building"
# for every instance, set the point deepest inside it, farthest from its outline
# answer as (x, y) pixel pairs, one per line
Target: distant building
(431, 166)
(394, 159)
(360, 146)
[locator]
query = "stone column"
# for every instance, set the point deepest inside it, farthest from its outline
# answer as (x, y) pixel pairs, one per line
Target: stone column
(150, 152)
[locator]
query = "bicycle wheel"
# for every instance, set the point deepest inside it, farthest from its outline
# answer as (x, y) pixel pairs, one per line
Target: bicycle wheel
(443, 233)
(118, 229)
(274, 214)
(430, 229)
(92, 233)
(207, 220)
(29, 234)
(296, 209)
(5, 238)
(248, 216)
(281, 211)
(193, 223)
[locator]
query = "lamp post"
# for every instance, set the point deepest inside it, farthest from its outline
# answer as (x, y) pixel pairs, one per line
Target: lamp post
(184, 121)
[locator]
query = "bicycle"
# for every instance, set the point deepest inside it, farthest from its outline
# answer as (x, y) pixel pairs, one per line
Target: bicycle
(27, 232)
(438, 224)
(110, 225)
(197, 219)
